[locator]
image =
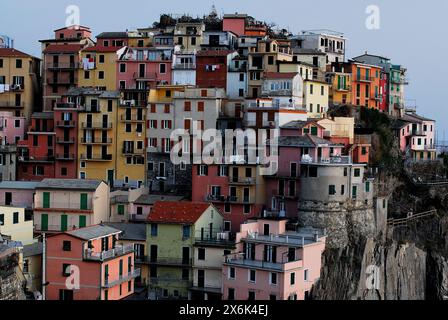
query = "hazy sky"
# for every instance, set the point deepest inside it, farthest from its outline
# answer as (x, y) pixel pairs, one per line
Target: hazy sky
(412, 33)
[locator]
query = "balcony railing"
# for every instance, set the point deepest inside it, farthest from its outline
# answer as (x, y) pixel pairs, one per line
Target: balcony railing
(132, 104)
(133, 151)
(364, 79)
(118, 251)
(97, 125)
(65, 140)
(63, 65)
(96, 141)
(8, 149)
(91, 109)
(66, 105)
(31, 159)
(167, 261)
(66, 124)
(96, 157)
(150, 76)
(240, 261)
(330, 160)
(66, 157)
(63, 81)
(60, 205)
(184, 66)
(11, 104)
(243, 181)
(132, 118)
(124, 278)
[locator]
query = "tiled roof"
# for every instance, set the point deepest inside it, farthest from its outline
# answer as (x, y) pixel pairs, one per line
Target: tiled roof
(280, 75)
(65, 48)
(174, 212)
(93, 232)
(9, 52)
(112, 35)
(102, 49)
(414, 118)
(214, 53)
(70, 184)
(305, 141)
(33, 249)
(23, 185)
(130, 231)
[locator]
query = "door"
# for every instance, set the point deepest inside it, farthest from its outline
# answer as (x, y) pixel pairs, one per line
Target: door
(186, 255)
(82, 221)
(89, 121)
(201, 278)
(141, 71)
(18, 100)
(235, 175)
(84, 201)
(106, 274)
(153, 253)
(46, 200)
(64, 222)
(110, 177)
(44, 222)
(161, 169)
(105, 120)
(8, 198)
(246, 195)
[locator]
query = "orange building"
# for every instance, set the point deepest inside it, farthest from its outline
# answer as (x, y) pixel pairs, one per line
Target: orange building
(88, 264)
(365, 85)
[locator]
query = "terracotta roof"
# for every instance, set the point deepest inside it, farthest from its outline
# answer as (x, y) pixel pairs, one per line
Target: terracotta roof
(214, 53)
(280, 75)
(175, 212)
(101, 49)
(9, 52)
(55, 48)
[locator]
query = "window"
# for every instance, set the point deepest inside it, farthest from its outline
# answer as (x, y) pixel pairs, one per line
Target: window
(193, 41)
(271, 60)
(101, 58)
(1, 64)
(293, 279)
(241, 92)
(19, 63)
(201, 254)
(15, 219)
(357, 172)
(186, 232)
(232, 273)
(17, 124)
(120, 210)
(154, 230)
(66, 270)
(367, 186)
(101, 75)
(163, 68)
(251, 296)
(167, 108)
(185, 274)
(322, 90)
(332, 190)
(2, 219)
(343, 190)
(273, 280)
(231, 294)
(311, 89)
(203, 170)
(122, 67)
(201, 106)
(305, 275)
(86, 74)
(187, 106)
(252, 276)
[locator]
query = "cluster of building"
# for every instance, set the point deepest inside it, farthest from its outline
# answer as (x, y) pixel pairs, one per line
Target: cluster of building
(85, 157)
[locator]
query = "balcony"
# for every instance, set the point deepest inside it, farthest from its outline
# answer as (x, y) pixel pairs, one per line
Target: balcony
(8, 149)
(97, 125)
(343, 160)
(65, 157)
(132, 118)
(243, 181)
(63, 65)
(31, 159)
(91, 109)
(127, 151)
(402, 81)
(239, 260)
(96, 157)
(343, 89)
(122, 279)
(220, 198)
(132, 104)
(166, 261)
(165, 280)
(184, 66)
(66, 124)
(218, 239)
(63, 81)
(65, 140)
(91, 141)
(146, 76)
(364, 79)
(63, 206)
(118, 251)
(11, 104)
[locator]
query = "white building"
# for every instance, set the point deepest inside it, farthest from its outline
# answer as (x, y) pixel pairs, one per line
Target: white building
(237, 83)
(328, 41)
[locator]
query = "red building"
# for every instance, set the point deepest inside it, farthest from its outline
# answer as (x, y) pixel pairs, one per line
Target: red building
(211, 68)
(36, 151)
(98, 268)
(66, 131)
(384, 91)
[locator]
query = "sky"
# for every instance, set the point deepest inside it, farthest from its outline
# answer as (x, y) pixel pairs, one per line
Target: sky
(411, 33)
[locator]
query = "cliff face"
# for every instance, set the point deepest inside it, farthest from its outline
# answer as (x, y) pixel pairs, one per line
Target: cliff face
(407, 263)
(11, 286)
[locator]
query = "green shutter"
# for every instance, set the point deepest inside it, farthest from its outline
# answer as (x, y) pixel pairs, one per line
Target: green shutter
(84, 201)
(46, 196)
(82, 221)
(121, 268)
(314, 131)
(354, 192)
(64, 222)
(367, 186)
(339, 82)
(121, 210)
(44, 222)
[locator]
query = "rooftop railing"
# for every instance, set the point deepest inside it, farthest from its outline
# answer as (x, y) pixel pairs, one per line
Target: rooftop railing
(118, 251)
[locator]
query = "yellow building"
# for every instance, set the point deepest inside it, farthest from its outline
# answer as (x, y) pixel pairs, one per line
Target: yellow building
(131, 150)
(19, 82)
(316, 98)
(188, 35)
(98, 67)
(14, 225)
(97, 135)
(340, 91)
(304, 69)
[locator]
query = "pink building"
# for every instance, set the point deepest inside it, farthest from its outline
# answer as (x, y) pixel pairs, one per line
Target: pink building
(273, 263)
(106, 270)
(282, 189)
(12, 128)
(17, 193)
(416, 137)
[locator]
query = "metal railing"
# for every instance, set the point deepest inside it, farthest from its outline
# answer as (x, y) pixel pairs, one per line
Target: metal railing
(63, 65)
(96, 141)
(11, 104)
(330, 160)
(66, 157)
(96, 157)
(184, 66)
(146, 75)
(132, 118)
(67, 123)
(118, 251)
(123, 278)
(133, 151)
(97, 125)
(168, 261)
(238, 259)
(62, 140)
(243, 181)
